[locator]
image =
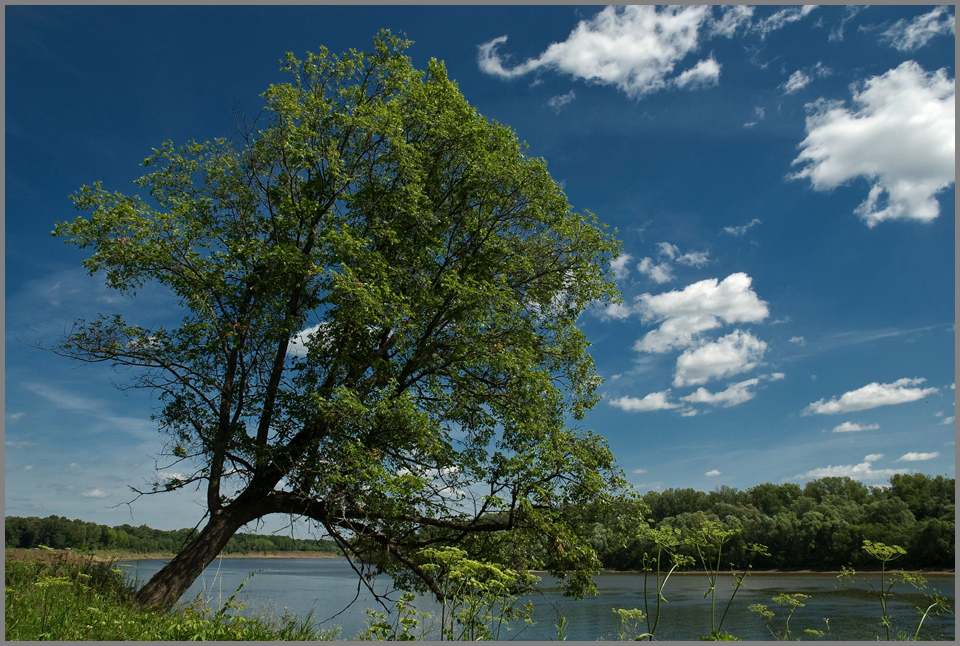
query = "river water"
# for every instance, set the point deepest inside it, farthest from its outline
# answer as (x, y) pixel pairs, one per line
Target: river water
(327, 586)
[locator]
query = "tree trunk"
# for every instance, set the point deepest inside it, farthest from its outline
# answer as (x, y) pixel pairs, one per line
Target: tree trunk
(169, 584)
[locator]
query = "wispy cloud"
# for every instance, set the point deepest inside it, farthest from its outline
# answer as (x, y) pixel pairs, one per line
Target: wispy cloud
(862, 471)
(558, 102)
(742, 229)
(94, 493)
(911, 35)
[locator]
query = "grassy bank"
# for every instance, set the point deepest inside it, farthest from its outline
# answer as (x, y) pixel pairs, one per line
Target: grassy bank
(65, 597)
(128, 555)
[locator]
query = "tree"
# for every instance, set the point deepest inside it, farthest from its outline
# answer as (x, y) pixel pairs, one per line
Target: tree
(379, 292)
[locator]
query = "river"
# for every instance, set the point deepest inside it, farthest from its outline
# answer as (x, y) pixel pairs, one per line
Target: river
(326, 586)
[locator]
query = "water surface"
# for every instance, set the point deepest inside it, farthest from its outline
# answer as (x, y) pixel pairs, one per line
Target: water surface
(327, 587)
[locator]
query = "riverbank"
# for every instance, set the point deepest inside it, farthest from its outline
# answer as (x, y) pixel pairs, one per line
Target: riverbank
(54, 595)
(116, 555)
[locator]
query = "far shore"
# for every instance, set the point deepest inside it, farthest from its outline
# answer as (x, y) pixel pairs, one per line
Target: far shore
(20, 553)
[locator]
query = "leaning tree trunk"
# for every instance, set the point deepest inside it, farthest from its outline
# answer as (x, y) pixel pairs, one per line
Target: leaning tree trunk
(169, 584)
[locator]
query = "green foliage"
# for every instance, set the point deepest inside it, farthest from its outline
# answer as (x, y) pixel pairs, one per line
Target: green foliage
(786, 602)
(81, 600)
(821, 526)
(884, 554)
(479, 599)
(436, 271)
(406, 625)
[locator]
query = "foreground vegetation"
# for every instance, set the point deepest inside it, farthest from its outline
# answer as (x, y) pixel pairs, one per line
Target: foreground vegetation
(61, 597)
(66, 598)
(62, 533)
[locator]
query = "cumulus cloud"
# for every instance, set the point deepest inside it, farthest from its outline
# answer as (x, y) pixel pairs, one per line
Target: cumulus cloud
(917, 457)
(853, 427)
(652, 402)
(711, 473)
(900, 137)
(873, 457)
(872, 395)
(620, 266)
(658, 272)
(799, 340)
(742, 229)
(948, 420)
(862, 471)
(661, 270)
(684, 314)
(910, 35)
(634, 48)
(703, 74)
(729, 355)
(94, 493)
(556, 103)
(737, 393)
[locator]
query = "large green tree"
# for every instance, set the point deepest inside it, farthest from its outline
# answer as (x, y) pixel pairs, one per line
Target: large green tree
(379, 291)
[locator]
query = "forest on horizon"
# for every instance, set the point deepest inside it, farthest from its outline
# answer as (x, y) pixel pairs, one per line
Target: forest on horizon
(819, 526)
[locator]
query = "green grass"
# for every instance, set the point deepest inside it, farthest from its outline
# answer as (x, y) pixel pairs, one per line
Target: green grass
(63, 598)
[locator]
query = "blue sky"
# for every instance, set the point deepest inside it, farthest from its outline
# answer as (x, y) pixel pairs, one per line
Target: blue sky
(782, 180)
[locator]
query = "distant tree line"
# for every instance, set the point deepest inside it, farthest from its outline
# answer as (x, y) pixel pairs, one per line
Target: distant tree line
(819, 526)
(60, 533)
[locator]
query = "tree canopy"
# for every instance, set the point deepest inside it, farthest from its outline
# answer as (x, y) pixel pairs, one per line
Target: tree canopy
(379, 290)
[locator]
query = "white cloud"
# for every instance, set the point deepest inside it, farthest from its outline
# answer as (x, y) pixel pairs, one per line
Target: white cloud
(669, 250)
(948, 420)
(908, 36)
(797, 81)
(620, 267)
(652, 402)
(556, 103)
(739, 231)
(732, 354)
(94, 493)
(662, 271)
(659, 273)
(15, 417)
(862, 471)
(853, 427)
(712, 473)
(17, 444)
(782, 18)
(617, 311)
(733, 18)
(917, 457)
(694, 258)
(698, 307)
(634, 48)
(871, 396)
(737, 393)
(900, 138)
(836, 34)
(298, 344)
(777, 376)
(639, 471)
(873, 457)
(799, 340)
(703, 74)
(28, 467)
